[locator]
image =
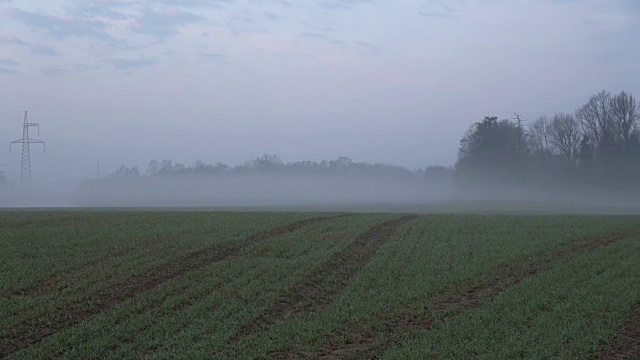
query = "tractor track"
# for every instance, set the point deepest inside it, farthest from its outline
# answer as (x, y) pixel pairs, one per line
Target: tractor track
(320, 288)
(66, 316)
(626, 343)
(355, 341)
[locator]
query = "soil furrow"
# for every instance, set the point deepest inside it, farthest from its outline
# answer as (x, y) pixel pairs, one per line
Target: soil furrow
(323, 286)
(358, 341)
(626, 344)
(49, 285)
(14, 339)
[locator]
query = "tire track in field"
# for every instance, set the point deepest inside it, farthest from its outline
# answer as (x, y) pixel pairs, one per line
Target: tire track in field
(626, 343)
(14, 339)
(49, 285)
(358, 341)
(324, 285)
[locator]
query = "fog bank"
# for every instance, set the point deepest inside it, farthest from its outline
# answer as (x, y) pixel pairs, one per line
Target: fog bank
(260, 190)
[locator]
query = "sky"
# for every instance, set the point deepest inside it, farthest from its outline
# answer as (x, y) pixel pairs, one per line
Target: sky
(393, 81)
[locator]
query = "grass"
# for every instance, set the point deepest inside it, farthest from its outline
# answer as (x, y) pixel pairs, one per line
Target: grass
(568, 312)
(151, 284)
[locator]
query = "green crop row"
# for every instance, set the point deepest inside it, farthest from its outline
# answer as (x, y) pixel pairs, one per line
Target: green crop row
(63, 268)
(209, 299)
(204, 312)
(438, 254)
(569, 312)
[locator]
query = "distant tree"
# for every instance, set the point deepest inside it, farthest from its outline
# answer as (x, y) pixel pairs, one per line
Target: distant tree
(493, 148)
(626, 115)
(341, 162)
(181, 169)
(596, 118)
(153, 168)
(209, 169)
(585, 154)
(166, 167)
(632, 154)
(125, 172)
(539, 135)
(265, 163)
(565, 135)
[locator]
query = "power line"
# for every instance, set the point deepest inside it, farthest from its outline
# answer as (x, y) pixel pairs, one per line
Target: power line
(25, 171)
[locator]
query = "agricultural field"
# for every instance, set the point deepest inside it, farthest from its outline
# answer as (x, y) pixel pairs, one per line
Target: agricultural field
(161, 284)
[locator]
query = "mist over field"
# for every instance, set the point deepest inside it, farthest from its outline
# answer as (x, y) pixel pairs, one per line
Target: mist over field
(263, 190)
(438, 103)
(345, 192)
(414, 193)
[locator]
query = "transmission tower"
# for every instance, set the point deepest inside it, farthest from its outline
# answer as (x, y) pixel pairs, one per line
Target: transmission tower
(25, 173)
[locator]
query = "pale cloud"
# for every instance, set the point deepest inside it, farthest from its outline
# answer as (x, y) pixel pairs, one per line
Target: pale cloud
(130, 64)
(192, 3)
(214, 57)
(245, 21)
(53, 70)
(270, 15)
(62, 27)
(36, 49)
(99, 9)
(8, 71)
(44, 50)
(341, 4)
(162, 23)
(12, 39)
(313, 35)
(366, 47)
(438, 9)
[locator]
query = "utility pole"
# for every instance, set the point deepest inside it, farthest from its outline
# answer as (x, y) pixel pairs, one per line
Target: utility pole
(520, 129)
(25, 172)
(520, 121)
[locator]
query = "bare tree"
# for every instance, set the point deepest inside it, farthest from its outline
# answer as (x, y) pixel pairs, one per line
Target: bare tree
(625, 115)
(539, 135)
(565, 135)
(596, 118)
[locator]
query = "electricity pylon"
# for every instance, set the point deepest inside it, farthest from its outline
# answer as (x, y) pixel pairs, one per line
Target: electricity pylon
(25, 173)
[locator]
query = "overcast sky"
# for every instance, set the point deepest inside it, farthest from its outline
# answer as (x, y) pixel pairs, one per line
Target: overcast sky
(394, 81)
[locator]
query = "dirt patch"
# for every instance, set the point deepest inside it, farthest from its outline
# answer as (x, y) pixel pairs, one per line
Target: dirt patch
(626, 344)
(36, 330)
(360, 341)
(323, 286)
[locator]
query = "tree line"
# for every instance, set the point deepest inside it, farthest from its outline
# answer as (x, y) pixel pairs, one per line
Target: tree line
(272, 164)
(597, 145)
